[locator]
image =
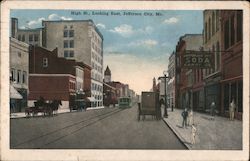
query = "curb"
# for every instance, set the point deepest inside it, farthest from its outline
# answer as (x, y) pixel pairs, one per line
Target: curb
(182, 140)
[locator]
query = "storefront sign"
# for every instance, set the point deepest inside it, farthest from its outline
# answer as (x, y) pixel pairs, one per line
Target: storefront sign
(197, 59)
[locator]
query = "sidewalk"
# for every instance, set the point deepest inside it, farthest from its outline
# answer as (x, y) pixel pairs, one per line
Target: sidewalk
(60, 110)
(213, 133)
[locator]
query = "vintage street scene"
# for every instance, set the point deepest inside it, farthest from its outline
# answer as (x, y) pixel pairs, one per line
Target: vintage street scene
(126, 79)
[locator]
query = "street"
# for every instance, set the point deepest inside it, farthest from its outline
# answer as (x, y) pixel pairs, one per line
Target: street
(108, 128)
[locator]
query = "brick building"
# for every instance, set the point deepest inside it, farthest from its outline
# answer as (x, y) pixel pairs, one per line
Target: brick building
(212, 42)
(184, 77)
(55, 78)
(231, 43)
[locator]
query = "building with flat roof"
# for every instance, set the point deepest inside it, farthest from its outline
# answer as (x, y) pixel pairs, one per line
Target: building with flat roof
(78, 40)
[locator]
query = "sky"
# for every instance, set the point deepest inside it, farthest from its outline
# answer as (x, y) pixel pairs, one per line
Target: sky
(136, 47)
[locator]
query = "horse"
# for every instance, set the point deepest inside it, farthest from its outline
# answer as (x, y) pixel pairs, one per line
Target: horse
(55, 105)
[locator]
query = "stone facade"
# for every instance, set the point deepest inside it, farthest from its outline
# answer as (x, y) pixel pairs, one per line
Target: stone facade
(19, 71)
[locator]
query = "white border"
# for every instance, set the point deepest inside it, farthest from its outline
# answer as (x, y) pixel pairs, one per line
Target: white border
(8, 154)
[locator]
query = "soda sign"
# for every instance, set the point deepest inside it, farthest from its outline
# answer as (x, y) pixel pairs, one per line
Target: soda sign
(197, 59)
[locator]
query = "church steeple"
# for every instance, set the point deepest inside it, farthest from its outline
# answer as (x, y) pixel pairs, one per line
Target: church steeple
(107, 75)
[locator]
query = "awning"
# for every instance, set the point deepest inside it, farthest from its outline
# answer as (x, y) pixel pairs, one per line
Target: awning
(14, 94)
(91, 99)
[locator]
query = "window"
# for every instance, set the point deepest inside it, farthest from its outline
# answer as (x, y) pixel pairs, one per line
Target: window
(18, 76)
(19, 54)
(66, 53)
(213, 23)
(232, 30)
(71, 53)
(71, 43)
(45, 62)
(65, 33)
(13, 75)
(24, 77)
(239, 25)
(30, 37)
(23, 38)
(71, 33)
(226, 34)
(19, 37)
(35, 37)
(65, 44)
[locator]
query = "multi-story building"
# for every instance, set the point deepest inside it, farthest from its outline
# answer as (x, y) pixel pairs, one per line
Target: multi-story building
(232, 72)
(107, 75)
(212, 42)
(171, 80)
(52, 77)
(19, 71)
(184, 77)
(78, 40)
(29, 36)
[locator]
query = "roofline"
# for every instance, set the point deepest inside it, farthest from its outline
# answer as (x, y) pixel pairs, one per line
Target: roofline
(89, 20)
(19, 42)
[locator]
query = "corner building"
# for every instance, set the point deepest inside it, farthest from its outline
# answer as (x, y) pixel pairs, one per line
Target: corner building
(78, 40)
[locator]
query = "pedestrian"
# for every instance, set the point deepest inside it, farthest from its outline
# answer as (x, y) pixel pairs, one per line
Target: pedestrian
(212, 108)
(184, 115)
(232, 108)
(193, 134)
(190, 119)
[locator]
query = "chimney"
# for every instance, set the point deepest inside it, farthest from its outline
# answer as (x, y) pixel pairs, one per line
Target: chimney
(14, 27)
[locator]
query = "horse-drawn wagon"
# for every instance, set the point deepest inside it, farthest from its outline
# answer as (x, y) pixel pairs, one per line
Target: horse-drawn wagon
(41, 106)
(149, 105)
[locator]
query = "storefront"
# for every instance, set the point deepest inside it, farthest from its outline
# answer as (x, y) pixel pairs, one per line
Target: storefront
(232, 89)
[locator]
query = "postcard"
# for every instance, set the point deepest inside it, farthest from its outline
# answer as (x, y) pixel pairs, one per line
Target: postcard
(139, 80)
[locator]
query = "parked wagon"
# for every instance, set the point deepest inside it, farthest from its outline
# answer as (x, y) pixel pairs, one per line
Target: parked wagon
(149, 105)
(124, 102)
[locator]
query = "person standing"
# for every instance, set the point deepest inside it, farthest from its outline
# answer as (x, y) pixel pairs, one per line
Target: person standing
(190, 117)
(212, 108)
(184, 115)
(193, 134)
(232, 108)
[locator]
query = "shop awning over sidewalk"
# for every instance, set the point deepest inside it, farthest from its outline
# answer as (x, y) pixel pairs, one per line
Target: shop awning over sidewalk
(14, 94)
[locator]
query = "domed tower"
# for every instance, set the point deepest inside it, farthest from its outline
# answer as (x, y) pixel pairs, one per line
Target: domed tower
(107, 75)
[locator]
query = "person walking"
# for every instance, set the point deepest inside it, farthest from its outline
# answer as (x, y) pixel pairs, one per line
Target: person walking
(232, 108)
(184, 115)
(193, 134)
(212, 108)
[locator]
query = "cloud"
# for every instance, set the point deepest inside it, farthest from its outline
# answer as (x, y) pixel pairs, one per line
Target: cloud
(123, 30)
(57, 17)
(138, 72)
(35, 23)
(172, 20)
(127, 30)
(145, 43)
(100, 25)
(38, 22)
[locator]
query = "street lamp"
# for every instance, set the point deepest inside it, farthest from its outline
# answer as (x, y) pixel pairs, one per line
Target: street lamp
(165, 91)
